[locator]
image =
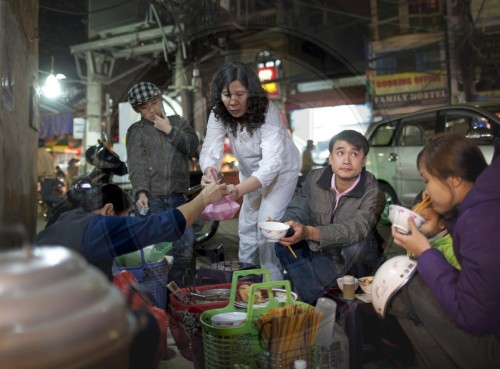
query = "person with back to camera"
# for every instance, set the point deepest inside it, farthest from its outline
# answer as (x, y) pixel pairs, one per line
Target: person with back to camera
(159, 151)
(99, 230)
(456, 312)
(97, 227)
(334, 217)
(268, 159)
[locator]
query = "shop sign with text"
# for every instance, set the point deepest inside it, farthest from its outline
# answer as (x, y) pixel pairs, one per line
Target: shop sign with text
(410, 89)
(412, 99)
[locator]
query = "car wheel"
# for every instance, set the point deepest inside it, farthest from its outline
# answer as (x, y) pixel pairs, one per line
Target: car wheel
(390, 198)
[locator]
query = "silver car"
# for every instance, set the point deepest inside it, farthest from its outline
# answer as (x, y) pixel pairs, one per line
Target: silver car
(395, 144)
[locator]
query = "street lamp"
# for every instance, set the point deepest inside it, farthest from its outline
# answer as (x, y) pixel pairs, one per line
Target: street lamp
(52, 88)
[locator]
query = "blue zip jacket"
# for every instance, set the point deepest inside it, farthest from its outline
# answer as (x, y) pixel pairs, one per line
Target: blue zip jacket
(102, 238)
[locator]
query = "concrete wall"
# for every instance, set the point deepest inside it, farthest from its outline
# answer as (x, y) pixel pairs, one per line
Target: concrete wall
(18, 114)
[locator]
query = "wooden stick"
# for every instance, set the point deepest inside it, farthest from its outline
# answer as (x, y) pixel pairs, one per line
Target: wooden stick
(291, 250)
(424, 204)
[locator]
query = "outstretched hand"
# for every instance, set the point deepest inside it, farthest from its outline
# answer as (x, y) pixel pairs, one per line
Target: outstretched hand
(210, 194)
(213, 192)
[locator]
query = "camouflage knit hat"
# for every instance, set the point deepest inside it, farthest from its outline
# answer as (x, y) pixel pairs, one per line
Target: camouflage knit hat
(142, 92)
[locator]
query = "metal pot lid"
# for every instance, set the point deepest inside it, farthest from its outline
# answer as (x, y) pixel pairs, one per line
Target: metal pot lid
(216, 292)
(210, 296)
(57, 308)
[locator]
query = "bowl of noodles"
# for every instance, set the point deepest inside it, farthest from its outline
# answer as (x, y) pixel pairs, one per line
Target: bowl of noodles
(399, 216)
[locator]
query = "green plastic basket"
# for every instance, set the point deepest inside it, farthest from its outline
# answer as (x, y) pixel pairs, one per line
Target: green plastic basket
(240, 347)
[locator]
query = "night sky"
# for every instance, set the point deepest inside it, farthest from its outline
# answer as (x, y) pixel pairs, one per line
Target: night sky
(62, 23)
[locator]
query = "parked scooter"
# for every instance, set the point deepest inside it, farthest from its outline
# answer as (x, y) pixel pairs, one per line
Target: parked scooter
(106, 164)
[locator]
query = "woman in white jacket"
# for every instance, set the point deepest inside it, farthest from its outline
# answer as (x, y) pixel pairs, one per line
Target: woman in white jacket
(268, 160)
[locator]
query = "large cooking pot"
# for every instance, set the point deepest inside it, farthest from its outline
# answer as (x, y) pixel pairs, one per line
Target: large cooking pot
(57, 311)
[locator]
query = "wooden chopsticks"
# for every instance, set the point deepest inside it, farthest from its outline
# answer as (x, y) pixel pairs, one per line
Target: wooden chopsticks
(422, 205)
(289, 331)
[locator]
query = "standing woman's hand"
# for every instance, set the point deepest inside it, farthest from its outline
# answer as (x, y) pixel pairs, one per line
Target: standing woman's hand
(208, 177)
(248, 185)
(232, 192)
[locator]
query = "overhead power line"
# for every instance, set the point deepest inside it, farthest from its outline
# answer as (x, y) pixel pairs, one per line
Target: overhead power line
(63, 11)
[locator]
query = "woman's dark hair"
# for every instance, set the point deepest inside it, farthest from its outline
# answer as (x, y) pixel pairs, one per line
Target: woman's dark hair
(99, 195)
(452, 155)
(355, 138)
(257, 102)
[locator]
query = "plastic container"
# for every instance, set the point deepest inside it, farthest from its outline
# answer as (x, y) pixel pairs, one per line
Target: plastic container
(241, 346)
(300, 364)
(340, 348)
(150, 268)
(328, 308)
(152, 254)
(349, 287)
(185, 322)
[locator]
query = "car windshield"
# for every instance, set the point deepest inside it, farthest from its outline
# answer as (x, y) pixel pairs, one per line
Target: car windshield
(495, 109)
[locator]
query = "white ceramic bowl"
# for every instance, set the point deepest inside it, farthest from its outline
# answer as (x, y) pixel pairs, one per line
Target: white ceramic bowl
(340, 283)
(398, 215)
(273, 231)
(229, 320)
(366, 284)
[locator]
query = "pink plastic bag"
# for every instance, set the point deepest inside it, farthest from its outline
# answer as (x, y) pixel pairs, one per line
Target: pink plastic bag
(223, 209)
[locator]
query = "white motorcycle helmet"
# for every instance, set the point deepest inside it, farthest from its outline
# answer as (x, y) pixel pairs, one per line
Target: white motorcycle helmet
(389, 278)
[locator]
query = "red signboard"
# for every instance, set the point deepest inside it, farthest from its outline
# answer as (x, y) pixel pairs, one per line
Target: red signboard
(267, 74)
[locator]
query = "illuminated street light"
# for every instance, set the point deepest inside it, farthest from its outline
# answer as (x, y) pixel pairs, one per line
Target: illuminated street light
(52, 88)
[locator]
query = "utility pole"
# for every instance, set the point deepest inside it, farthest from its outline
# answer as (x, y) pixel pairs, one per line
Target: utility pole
(95, 64)
(453, 65)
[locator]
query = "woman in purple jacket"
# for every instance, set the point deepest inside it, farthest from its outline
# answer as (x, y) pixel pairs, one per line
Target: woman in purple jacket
(455, 315)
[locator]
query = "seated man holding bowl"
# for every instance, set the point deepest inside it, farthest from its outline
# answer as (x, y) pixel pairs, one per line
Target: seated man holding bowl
(334, 217)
